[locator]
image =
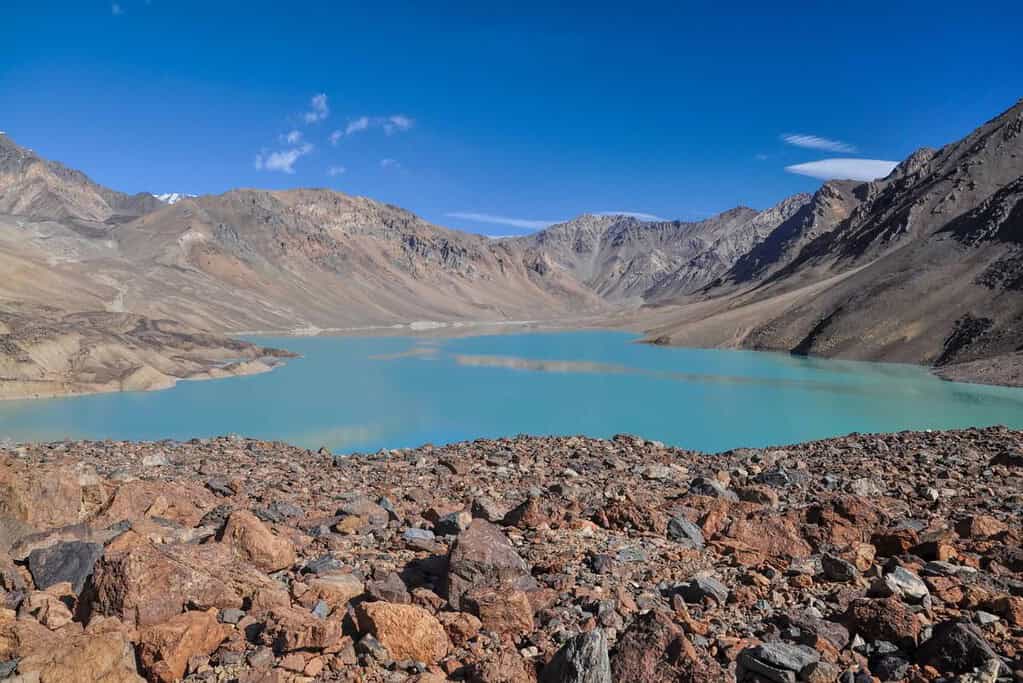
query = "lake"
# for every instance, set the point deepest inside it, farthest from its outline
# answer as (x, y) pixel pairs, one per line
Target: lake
(362, 394)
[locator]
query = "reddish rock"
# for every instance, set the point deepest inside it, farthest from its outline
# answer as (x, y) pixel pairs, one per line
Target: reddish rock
(502, 666)
(288, 629)
(482, 557)
(146, 585)
(654, 649)
(255, 542)
(164, 649)
(87, 658)
(182, 503)
(407, 631)
(894, 541)
(507, 612)
(336, 589)
(461, 627)
(1010, 608)
(980, 527)
(888, 619)
(777, 537)
(41, 496)
(629, 514)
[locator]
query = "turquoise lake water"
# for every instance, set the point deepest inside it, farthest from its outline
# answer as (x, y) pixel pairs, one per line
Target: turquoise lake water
(362, 394)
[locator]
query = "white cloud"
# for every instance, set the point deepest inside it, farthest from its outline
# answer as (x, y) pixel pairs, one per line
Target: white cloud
(292, 138)
(282, 160)
(116, 9)
(389, 163)
(523, 223)
(318, 109)
(336, 171)
(816, 142)
(397, 123)
(357, 125)
(850, 169)
(634, 214)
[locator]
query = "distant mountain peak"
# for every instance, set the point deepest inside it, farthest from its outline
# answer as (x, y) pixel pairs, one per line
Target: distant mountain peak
(173, 197)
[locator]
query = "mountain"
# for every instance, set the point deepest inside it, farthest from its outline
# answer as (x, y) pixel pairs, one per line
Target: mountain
(626, 260)
(922, 266)
(172, 197)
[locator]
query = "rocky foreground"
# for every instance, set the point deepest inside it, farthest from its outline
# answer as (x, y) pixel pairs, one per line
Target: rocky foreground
(892, 557)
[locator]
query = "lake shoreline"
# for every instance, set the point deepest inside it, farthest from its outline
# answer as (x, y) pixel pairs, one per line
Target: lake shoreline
(498, 559)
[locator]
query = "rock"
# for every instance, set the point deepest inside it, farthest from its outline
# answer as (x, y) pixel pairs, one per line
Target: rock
(837, 569)
(682, 531)
(903, 582)
(145, 585)
(390, 589)
(41, 496)
(758, 494)
(288, 629)
(653, 649)
(980, 526)
(502, 666)
(452, 523)
(482, 557)
(336, 589)
(658, 473)
(164, 649)
(883, 620)
(704, 586)
(867, 488)
(506, 612)
(775, 536)
(72, 561)
(582, 659)
(778, 662)
(46, 608)
(364, 508)
(85, 658)
(487, 509)
(530, 514)
(957, 647)
(407, 631)
(704, 486)
(256, 543)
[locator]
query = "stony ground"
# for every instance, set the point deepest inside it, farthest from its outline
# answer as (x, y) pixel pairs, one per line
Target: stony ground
(864, 558)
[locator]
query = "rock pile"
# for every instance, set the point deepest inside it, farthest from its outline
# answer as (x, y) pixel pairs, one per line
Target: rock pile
(558, 560)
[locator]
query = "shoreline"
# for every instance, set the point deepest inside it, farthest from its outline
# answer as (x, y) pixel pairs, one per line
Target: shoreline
(496, 559)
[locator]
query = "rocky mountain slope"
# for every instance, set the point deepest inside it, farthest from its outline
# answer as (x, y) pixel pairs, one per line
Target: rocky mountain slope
(47, 352)
(626, 260)
(529, 560)
(923, 266)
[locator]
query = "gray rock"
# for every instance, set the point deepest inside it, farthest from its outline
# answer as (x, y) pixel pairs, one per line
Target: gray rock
(69, 561)
(658, 473)
(321, 609)
(777, 477)
(231, 615)
(483, 557)
(837, 569)
(583, 659)
(703, 586)
(681, 530)
(779, 662)
(864, 487)
(704, 486)
(322, 565)
(901, 582)
(155, 460)
(957, 647)
(452, 523)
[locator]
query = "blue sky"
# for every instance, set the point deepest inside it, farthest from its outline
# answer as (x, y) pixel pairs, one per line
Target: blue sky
(518, 110)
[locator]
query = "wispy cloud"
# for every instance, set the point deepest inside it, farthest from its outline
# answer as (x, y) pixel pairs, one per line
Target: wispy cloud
(634, 214)
(389, 163)
(523, 223)
(849, 169)
(336, 171)
(292, 138)
(817, 142)
(116, 9)
(395, 123)
(318, 109)
(282, 160)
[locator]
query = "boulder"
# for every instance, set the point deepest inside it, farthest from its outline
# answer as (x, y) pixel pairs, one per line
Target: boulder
(775, 536)
(776, 661)
(957, 647)
(506, 612)
(41, 496)
(684, 532)
(145, 584)
(336, 589)
(883, 620)
(85, 658)
(483, 557)
(407, 631)
(182, 503)
(255, 543)
(288, 629)
(654, 649)
(72, 561)
(582, 659)
(164, 649)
